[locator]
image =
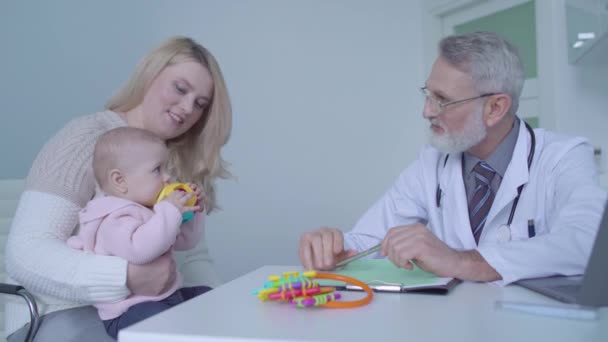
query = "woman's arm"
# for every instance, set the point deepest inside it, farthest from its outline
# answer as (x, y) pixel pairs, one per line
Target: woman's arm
(38, 257)
(60, 182)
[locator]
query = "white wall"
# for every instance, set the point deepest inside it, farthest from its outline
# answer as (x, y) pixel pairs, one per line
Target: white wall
(326, 110)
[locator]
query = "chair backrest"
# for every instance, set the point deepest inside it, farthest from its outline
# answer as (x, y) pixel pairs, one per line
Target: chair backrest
(10, 191)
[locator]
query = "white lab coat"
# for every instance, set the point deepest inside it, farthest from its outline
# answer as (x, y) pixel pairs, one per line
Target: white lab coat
(561, 194)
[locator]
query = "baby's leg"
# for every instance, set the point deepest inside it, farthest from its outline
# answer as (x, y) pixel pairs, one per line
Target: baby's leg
(191, 292)
(139, 312)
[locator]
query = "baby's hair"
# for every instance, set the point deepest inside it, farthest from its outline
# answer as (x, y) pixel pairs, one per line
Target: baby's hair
(113, 145)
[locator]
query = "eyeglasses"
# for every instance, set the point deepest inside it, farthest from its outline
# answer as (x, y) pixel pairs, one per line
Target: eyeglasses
(437, 105)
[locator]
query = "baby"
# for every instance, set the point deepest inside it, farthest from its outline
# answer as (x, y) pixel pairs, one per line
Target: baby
(125, 221)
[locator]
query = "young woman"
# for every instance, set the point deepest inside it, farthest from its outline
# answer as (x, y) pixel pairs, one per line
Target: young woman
(178, 93)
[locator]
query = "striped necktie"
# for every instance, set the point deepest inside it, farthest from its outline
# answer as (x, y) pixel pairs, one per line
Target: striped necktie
(482, 197)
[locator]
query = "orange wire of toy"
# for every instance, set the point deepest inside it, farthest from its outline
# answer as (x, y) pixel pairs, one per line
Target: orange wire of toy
(351, 304)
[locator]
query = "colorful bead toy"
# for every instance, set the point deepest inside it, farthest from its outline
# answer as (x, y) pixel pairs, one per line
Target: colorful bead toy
(301, 290)
(169, 188)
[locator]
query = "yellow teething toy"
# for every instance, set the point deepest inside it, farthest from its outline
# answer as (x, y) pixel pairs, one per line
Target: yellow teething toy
(169, 188)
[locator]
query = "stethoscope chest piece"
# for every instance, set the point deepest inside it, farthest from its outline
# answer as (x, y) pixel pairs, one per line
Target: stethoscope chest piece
(503, 234)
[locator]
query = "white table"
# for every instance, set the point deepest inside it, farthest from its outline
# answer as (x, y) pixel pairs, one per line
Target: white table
(232, 313)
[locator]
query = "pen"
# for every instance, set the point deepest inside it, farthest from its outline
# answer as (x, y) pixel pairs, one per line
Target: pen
(572, 311)
(359, 256)
(531, 230)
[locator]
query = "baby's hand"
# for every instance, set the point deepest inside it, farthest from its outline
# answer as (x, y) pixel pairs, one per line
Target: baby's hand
(197, 191)
(179, 199)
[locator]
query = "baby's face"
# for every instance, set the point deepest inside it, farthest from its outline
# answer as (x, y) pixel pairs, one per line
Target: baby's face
(145, 172)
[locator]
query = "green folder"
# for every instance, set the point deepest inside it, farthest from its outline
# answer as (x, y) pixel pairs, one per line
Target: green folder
(382, 275)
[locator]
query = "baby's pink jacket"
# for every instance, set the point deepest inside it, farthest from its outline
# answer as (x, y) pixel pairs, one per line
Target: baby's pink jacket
(114, 226)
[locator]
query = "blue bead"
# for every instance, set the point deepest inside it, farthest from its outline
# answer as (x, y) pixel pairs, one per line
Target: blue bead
(187, 217)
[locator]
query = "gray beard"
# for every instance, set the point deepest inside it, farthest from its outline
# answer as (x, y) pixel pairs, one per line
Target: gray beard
(473, 133)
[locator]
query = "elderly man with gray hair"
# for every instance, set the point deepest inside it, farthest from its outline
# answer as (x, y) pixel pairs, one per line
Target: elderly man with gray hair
(490, 199)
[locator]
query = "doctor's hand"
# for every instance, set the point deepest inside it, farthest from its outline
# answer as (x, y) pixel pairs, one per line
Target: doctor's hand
(323, 248)
(416, 243)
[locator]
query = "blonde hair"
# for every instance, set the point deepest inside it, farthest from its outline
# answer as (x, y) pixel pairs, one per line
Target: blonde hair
(112, 147)
(195, 155)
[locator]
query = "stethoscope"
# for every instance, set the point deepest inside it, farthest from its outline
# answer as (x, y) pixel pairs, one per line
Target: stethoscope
(504, 230)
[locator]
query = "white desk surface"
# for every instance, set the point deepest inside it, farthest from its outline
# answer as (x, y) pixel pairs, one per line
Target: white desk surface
(232, 313)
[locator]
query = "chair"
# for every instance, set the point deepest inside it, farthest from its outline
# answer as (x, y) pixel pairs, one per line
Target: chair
(10, 191)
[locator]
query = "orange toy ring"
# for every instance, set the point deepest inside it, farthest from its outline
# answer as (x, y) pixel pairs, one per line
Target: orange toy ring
(348, 280)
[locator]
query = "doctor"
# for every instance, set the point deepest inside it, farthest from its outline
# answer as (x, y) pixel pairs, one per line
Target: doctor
(490, 199)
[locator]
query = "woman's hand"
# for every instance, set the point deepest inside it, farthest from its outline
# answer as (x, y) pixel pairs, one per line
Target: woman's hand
(154, 278)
